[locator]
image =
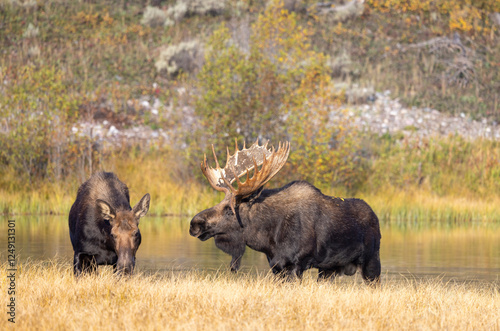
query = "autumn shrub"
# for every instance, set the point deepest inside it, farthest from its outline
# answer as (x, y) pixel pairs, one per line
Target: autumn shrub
(185, 57)
(340, 12)
(36, 106)
(154, 17)
(462, 15)
(277, 90)
(186, 8)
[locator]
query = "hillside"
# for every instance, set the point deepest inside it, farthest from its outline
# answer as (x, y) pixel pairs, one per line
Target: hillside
(380, 93)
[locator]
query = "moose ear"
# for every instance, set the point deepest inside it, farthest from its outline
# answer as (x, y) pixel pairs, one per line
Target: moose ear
(142, 207)
(107, 212)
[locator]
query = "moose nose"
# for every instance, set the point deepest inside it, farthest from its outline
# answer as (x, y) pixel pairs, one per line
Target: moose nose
(194, 230)
(196, 227)
(126, 263)
(125, 270)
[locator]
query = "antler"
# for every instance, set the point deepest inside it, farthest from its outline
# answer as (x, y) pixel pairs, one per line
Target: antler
(241, 163)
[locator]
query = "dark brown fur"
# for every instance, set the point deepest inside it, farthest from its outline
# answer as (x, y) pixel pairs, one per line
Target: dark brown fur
(103, 227)
(298, 228)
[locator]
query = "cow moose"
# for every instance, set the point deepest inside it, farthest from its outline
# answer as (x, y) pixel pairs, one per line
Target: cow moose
(103, 227)
(296, 226)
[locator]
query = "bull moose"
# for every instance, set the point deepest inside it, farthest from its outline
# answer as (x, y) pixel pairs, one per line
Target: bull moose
(103, 227)
(296, 226)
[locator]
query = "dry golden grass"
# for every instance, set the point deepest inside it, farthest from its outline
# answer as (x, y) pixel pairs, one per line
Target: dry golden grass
(49, 298)
(419, 205)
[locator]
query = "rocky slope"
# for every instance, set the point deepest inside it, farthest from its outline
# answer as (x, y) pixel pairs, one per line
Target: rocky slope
(384, 115)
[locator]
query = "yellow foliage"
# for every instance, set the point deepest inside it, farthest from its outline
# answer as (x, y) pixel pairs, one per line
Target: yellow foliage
(463, 15)
(280, 90)
(94, 19)
(464, 19)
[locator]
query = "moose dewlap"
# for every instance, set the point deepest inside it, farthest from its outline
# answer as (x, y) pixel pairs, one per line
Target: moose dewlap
(104, 229)
(296, 226)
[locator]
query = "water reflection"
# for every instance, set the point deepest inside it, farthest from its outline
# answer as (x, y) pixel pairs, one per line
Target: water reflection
(461, 251)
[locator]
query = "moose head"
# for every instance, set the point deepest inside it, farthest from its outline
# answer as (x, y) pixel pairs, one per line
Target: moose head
(222, 221)
(125, 233)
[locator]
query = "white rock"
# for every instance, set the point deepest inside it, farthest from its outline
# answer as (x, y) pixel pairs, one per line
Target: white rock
(113, 131)
(157, 103)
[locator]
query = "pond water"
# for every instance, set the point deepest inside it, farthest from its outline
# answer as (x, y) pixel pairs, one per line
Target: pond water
(463, 252)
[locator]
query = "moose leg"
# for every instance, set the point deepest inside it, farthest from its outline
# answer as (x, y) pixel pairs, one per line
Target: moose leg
(279, 269)
(77, 265)
(87, 264)
(325, 274)
(328, 274)
(83, 263)
(295, 272)
(289, 272)
(92, 267)
(234, 246)
(235, 263)
(371, 270)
